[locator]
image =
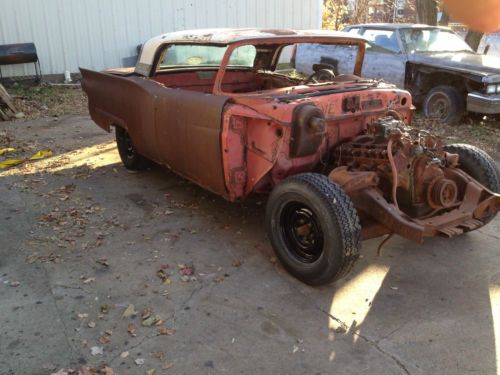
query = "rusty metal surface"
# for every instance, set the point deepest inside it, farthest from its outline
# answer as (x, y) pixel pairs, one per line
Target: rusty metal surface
(20, 53)
(176, 128)
(188, 135)
(413, 188)
(250, 137)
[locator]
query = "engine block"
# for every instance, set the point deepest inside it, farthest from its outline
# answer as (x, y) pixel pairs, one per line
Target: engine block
(409, 164)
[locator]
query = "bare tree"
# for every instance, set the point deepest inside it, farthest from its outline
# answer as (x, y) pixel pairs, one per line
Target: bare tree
(427, 12)
(361, 12)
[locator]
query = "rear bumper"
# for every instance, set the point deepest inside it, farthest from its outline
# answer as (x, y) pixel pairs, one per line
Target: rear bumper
(482, 103)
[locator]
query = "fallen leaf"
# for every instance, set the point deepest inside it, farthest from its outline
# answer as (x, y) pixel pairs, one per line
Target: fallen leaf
(104, 340)
(131, 329)
(85, 371)
(96, 350)
(219, 279)
(162, 275)
(236, 263)
(107, 371)
(186, 269)
(103, 262)
(146, 313)
(152, 320)
(166, 365)
(129, 311)
(164, 331)
(104, 309)
(124, 355)
(139, 361)
(188, 278)
(158, 355)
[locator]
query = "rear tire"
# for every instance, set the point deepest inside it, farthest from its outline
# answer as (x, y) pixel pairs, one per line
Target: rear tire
(314, 228)
(130, 157)
(444, 103)
(479, 165)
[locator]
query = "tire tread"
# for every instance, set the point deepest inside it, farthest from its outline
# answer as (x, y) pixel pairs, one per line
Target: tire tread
(342, 210)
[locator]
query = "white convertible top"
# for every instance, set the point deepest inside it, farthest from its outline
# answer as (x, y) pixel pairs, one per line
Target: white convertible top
(224, 37)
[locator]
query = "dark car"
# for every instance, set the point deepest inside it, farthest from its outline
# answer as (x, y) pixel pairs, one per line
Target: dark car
(444, 75)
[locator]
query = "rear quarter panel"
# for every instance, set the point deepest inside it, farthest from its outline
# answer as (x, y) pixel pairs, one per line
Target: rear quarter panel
(127, 102)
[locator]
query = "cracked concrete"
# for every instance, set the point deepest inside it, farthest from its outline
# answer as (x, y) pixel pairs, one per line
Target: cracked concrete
(426, 309)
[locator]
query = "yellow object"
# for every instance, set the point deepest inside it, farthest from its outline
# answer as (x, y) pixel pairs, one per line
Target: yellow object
(12, 162)
(5, 150)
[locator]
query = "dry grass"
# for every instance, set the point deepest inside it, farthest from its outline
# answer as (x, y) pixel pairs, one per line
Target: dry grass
(481, 132)
(49, 101)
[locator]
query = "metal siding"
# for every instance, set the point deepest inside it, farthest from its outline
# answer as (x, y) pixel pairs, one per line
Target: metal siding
(98, 34)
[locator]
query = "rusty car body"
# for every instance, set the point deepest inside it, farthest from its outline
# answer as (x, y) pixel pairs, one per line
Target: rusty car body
(337, 153)
(443, 74)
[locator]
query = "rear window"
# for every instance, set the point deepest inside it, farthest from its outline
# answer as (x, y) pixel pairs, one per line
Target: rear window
(178, 55)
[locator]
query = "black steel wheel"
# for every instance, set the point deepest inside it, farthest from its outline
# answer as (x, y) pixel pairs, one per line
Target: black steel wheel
(301, 232)
(129, 155)
(445, 104)
(314, 228)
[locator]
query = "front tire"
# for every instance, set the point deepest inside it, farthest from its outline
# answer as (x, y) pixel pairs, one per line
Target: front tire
(479, 165)
(445, 104)
(314, 228)
(130, 157)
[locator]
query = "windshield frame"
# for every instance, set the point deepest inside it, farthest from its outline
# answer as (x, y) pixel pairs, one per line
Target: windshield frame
(359, 42)
(441, 30)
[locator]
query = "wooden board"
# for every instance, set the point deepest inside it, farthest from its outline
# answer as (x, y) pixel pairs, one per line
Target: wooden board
(3, 116)
(6, 101)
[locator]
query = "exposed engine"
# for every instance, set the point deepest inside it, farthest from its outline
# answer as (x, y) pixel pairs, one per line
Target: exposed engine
(408, 164)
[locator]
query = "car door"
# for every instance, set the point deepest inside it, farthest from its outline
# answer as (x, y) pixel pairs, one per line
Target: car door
(188, 117)
(384, 56)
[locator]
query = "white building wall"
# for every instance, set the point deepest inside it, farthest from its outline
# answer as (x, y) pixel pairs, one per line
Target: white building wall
(99, 34)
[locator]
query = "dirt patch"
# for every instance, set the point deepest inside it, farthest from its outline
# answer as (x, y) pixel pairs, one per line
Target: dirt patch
(481, 132)
(49, 101)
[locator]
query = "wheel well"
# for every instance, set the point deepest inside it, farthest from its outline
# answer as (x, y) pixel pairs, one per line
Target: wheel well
(420, 82)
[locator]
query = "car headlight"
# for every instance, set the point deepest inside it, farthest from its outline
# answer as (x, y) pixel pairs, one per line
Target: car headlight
(492, 89)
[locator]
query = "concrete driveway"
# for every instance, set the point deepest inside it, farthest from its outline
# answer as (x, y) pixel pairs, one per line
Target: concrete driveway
(82, 239)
